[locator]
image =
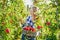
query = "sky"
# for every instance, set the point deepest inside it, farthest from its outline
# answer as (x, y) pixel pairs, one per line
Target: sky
(28, 2)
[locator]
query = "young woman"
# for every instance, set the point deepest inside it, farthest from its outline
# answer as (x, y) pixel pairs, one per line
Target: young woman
(29, 22)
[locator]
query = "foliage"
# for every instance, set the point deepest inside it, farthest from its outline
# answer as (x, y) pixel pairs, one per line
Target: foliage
(11, 11)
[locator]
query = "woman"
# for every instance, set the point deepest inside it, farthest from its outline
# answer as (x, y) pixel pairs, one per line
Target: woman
(30, 22)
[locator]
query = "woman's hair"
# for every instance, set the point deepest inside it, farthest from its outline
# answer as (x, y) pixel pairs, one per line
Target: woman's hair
(34, 9)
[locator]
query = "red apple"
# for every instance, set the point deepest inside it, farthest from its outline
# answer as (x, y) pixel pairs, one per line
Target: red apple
(27, 28)
(33, 29)
(48, 23)
(39, 27)
(7, 30)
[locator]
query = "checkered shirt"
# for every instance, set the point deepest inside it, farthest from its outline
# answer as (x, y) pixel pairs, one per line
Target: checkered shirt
(29, 22)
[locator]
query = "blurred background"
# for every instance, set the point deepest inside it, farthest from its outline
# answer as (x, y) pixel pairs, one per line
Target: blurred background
(12, 11)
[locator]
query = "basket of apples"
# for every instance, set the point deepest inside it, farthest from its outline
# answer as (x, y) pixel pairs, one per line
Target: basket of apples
(30, 31)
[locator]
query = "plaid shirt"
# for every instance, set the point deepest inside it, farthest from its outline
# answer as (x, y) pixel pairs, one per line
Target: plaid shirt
(29, 22)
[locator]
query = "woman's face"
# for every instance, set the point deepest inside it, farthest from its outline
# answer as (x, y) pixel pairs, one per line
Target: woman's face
(34, 9)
